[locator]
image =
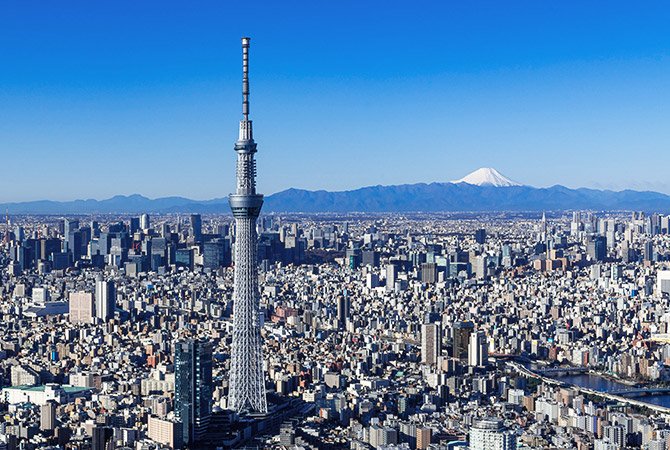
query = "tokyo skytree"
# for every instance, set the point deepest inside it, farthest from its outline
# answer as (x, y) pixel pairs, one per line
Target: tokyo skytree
(247, 380)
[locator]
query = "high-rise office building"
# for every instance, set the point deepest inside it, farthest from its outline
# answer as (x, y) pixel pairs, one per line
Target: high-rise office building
(134, 224)
(391, 276)
(431, 342)
(195, 230)
(461, 336)
(73, 242)
(70, 225)
(490, 434)
(215, 253)
(145, 222)
(105, 299)
(596, 248)
(649, 251)
(343, 309)
(478, 350)
(193, 388)
(247, 380)
(428, 273)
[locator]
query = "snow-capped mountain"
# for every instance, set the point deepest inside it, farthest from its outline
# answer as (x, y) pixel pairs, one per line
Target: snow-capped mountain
(486, 176)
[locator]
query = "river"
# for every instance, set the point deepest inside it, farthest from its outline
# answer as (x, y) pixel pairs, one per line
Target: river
(602, 384)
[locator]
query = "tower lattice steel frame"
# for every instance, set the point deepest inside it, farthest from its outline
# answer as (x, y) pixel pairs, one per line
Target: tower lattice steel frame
(247, 379)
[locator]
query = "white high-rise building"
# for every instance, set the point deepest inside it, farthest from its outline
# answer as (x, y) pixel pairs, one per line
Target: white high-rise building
(490, 434)
(478, 351)
(145, 222)
(391, 276)
(105, 299)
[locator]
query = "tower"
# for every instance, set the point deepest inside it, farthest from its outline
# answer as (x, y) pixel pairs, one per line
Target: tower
(247, 380)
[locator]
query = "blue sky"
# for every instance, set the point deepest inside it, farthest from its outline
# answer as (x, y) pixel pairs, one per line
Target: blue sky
(105, 98)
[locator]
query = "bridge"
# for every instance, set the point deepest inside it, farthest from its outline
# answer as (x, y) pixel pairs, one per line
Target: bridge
(640, 392)
(568, 370)
(607, 395)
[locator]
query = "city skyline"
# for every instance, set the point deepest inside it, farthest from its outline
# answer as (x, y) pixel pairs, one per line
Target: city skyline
(570, 94)
(405, 265)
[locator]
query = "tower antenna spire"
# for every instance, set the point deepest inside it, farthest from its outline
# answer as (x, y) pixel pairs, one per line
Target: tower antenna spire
(245, 77)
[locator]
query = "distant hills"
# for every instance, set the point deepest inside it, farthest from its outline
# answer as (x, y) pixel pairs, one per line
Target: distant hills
(483, 190)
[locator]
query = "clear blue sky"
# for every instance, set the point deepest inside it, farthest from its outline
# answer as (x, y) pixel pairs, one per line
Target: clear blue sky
(121, 97)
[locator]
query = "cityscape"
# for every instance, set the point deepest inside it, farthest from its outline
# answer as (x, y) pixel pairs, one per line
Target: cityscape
(479, 313)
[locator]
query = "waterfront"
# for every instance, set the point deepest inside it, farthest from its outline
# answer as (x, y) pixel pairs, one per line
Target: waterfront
(602, 384)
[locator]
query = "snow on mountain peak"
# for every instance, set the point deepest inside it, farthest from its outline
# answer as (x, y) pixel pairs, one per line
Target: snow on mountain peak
(487, 176)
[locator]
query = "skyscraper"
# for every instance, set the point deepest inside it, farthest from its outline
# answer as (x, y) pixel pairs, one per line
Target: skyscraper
(478, 350)
(391, 276)
(247, 380)
(145, 222)
(461, 336)
(105, 300)
(343, 309)
(596, 248)
(431, 342)
(193, 388)
(196, 227)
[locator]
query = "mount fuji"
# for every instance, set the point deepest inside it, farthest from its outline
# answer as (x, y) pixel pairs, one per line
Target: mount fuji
(487, 176)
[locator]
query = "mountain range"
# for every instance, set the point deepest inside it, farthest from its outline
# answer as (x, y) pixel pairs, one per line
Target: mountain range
(483, 190)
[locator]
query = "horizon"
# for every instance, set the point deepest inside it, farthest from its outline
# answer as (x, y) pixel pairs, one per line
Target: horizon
(224, 198)
(566, 94)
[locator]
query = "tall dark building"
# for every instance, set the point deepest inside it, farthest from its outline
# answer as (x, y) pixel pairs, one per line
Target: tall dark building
(102, 438)
(196, 227)
(134, 224)
(74, 246)
(193, 388)
(461, 334)
(216, 253)
(597, 248)
(649, 251)
(480, 236)
(343, 309)
(370, 258)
